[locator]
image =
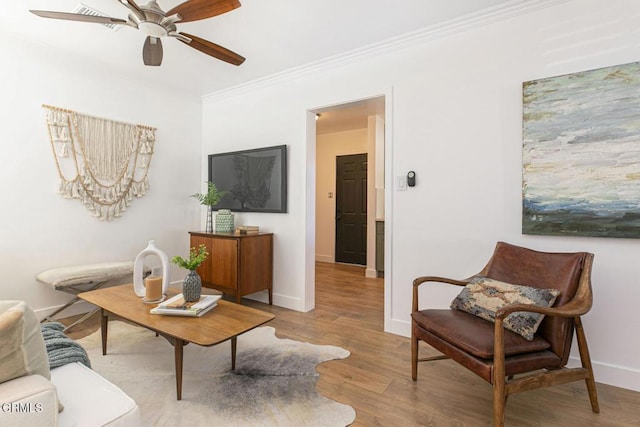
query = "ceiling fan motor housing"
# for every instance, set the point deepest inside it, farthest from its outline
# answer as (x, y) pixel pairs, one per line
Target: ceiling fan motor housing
(152, 29)
(155, 23)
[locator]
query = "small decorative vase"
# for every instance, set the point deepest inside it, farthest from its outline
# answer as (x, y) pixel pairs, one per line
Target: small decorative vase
(138, 268)
(192, 287)
(224, 221)
(209, 228)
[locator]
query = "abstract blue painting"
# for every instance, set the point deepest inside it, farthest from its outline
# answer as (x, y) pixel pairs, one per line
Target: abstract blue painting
(581, 154)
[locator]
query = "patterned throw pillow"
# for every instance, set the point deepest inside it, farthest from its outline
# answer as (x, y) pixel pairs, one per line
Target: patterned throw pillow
(483, 296)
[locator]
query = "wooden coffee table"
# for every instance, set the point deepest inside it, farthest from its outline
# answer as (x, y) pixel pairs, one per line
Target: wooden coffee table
(222, 323)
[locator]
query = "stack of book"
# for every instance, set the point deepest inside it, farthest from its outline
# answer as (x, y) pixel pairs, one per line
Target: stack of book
(177, 306)
(247, 229)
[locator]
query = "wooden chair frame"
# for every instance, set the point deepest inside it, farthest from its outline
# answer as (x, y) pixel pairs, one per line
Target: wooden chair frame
(502, 386)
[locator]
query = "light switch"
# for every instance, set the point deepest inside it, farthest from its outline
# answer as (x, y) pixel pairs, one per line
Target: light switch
(402, 183)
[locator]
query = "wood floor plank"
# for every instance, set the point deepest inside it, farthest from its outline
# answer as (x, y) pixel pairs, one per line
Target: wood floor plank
(375, 382)
(376, 378)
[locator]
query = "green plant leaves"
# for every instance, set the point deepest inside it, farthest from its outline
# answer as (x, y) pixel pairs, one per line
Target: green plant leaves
(196, 257)
(212, 197)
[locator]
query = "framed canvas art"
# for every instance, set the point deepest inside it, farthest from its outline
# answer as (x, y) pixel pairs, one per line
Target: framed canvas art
(254, 180)
(581, 154)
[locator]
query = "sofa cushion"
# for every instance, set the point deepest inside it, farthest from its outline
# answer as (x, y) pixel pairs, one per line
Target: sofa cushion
(91, 400)
(483, 297)
(22, 349)
(28, 401)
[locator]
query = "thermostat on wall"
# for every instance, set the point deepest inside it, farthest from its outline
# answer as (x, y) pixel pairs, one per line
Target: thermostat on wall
(411, 179)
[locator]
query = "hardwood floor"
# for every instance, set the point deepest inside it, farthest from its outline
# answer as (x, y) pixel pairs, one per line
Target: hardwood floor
(376, 378)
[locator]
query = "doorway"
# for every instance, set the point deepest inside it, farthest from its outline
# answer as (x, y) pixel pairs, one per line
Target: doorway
(342, 130)
(351, 209)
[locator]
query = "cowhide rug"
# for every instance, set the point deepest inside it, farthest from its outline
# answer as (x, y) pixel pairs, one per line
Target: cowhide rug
(273, 384)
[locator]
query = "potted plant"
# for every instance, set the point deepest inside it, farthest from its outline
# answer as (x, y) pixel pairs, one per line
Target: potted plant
(192, 284)
(210, 199)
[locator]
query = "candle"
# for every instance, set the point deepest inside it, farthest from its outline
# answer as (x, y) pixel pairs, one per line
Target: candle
(153, 288)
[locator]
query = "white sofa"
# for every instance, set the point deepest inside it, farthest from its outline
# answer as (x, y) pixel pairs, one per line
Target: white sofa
(88, 399)
(73, 396)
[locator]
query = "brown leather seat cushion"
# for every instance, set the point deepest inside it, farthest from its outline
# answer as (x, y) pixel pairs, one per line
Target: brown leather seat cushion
(473, 334)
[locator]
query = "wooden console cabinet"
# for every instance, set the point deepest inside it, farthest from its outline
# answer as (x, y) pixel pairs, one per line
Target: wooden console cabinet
(237, 265)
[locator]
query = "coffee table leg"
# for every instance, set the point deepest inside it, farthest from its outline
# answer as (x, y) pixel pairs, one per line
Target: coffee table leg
(178, 353)
(234, 342)
(104, 324)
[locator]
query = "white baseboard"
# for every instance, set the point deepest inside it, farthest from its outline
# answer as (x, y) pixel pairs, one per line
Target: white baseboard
(371, 273)
(398, 327)
(80, 307)
(325, 258)
(287, 301)
(261, 296)
(279, 300)
(618, 376)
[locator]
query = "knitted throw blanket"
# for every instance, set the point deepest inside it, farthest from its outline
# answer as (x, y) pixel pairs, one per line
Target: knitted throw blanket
(60, 348)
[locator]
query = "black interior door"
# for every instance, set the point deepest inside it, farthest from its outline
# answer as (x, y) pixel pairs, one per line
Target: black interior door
(351, 209)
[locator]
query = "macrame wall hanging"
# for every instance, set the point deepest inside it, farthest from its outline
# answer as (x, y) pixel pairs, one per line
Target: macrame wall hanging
(101, 162)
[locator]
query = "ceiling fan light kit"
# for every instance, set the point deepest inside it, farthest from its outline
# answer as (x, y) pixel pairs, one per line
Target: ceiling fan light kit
(155, 24)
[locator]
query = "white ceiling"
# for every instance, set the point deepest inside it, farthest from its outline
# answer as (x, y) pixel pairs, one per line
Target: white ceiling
(353, 115)
(274, 35)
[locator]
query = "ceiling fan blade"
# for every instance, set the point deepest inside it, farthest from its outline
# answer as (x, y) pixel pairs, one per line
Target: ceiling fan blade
(152, 51)
(78, 17)
(195, 10)
(212, 49)
(133, 7)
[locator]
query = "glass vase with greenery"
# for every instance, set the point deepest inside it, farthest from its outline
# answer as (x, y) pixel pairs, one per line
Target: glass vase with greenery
(211, 198)
(196, 257)
(192, 283)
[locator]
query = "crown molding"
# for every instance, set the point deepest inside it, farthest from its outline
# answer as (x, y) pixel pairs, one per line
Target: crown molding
(458, 25)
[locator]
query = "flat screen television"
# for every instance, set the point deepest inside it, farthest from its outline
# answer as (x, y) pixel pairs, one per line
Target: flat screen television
(254, 180)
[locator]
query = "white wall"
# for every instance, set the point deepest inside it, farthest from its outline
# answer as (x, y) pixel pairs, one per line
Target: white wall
(328, 146)
(455, 120)
(40, 229)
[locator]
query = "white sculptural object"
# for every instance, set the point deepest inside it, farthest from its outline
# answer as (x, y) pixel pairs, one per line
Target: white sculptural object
(138, 269)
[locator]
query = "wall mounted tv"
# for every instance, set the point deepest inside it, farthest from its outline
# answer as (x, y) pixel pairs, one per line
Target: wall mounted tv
(255, 180)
